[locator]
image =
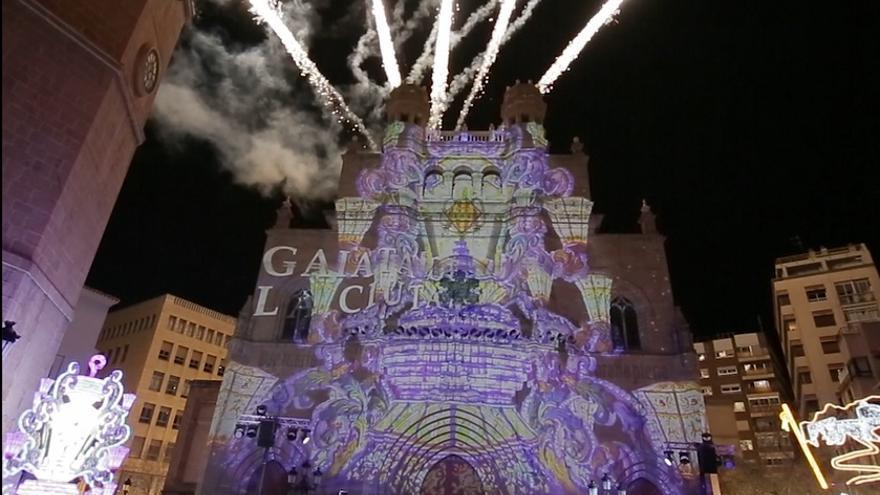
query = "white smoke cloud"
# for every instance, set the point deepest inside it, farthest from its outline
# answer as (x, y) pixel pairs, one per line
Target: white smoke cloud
(266, 132)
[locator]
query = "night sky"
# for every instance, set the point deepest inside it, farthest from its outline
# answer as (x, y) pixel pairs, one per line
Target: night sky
(750, 127)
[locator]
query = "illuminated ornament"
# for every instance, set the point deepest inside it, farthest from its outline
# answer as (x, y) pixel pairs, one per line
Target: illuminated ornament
(837, 426)
(491, 292)
(323, 288)
(571, 218)
(354, 216)
(463, 215)
(596, 292)
(539, 280)
(73, 433)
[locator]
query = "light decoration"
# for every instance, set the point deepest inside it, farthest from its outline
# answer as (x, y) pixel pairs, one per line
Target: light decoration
(789, 423)
(571, 52)
(386, 46)
(497, 37)
(539, 279)
(354, 215)
(834, 429)
(596, 293)
(441, 64)
(571, 218)
(74, 432)
(267, 14)
(323, 288)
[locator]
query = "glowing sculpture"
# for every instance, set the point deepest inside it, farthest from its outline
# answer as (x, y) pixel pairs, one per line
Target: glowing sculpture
(355, 216)
(74, 431)
(596, 292)
(835, 429)
(571, 218)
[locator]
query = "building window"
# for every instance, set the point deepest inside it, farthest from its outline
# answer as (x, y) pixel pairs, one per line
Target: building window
(835, 370)
(185, 392)
(201, 334)
(173, 383)
(824, 319)
(746, 445)
(169, 450)
(760, 386)
(210, 361)
(866, 313)
(147, 413)
(156, 381)
(727, 370)
(181, 325)
(195, 360)
(789, 324)
(797, 349)
(739, 406)
(774, 461)
(190, 329)
(724, 354)
(804, 377)
(137, 447)
(153, 450)
(218, 339)
(830, 346)
(756, 368)
(734, 388)
(783, 300)
(816, 293)
(742, 425)
(766, 424)
(704, 373)
(180, 357)
(745, 351)
(859, 366)
(165, 350)
(222, 368)
(299, 317)
(210, 338)
(178, 416)
(854, 291)
(707, 390)
(163, 417)
(624, 325)
(701, 356)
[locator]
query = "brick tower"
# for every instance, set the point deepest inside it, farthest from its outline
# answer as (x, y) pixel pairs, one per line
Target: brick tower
(79, 79)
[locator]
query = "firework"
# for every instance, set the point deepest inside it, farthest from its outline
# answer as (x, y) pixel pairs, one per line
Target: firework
(571, 52)
(386, 46)
(441, 63)
(267, 14)
(495, 41)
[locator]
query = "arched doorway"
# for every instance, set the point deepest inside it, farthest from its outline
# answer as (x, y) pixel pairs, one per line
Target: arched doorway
(642, 486)
(275, 483)
(452, 475)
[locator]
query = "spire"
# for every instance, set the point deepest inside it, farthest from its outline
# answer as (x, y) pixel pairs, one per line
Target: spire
(284, 215)
(646, 219)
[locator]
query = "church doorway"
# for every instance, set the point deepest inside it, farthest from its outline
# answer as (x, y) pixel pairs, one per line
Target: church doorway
(275, 482)
(642, 486)
(452, 475)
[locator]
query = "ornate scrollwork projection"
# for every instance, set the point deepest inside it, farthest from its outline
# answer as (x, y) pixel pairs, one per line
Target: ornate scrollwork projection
(323, 288)
(355, 215)
(571, 218)
(596, 292)
(74, 430)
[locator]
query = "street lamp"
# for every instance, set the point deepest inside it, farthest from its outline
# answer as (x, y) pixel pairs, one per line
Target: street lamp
(126, 486)
(620, 489)
(592, 488)
(606, 483)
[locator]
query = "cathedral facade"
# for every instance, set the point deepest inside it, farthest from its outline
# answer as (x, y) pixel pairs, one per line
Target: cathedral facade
(460, 328)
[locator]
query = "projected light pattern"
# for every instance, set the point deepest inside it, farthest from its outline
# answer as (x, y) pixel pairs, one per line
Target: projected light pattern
(458, 363)
(75, 430)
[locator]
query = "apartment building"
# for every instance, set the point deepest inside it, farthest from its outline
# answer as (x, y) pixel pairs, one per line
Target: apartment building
(827, 317)
(743, 394)
(162, 345)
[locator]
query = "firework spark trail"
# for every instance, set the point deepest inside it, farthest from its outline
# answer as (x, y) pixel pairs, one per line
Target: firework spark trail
(461, 80)
(265, 13)
(427, 55)
(386, 46)
(404, 30)
(440, 73)
(362, 50)
(491, 53)
(571, 52)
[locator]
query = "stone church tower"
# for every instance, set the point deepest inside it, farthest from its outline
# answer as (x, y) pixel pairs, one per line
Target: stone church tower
(79, 79)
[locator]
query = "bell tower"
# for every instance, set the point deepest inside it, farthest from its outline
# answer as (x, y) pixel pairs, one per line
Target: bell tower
(408, 103)
(79, 80)
(523, 103)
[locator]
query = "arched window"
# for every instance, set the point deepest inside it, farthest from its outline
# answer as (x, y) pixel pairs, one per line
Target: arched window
(462, 184)
(624, 325)
(299, 316)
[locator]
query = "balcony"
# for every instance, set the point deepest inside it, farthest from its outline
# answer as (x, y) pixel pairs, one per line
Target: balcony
(754, 355)
(766, 410)
(861, 298)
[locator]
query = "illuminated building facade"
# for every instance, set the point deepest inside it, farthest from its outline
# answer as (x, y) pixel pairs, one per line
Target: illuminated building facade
(461, 327)
(827, 317)
(743, 394)
(162, 345)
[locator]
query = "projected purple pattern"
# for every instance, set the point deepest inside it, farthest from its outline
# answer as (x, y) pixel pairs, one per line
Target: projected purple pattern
(459, 364)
